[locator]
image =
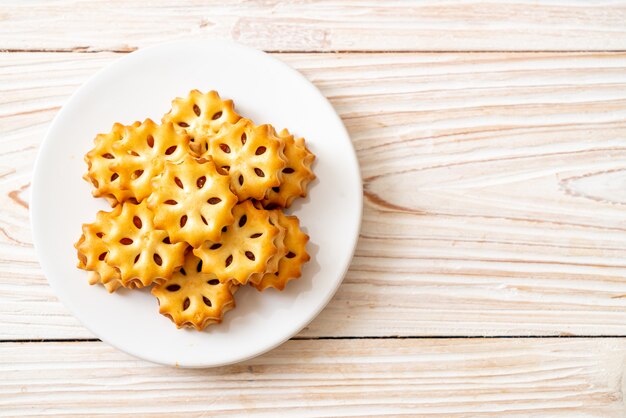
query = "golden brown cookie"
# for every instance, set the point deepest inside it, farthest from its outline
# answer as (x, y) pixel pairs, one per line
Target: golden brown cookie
(279, 242)
(295, 177)
(192, 298)
(245, 249)
(99, 159)
(192, 201)
(290, 265)
(201, 116)
(142, 254)
(251, 155)
(143, 151)
(93, 251)
(124, 161)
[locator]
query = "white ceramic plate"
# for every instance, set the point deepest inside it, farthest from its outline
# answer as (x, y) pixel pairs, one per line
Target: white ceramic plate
(142, 85)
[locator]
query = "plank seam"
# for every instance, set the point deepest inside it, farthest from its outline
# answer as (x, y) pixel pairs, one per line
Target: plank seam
(374, 337)
(86, 50)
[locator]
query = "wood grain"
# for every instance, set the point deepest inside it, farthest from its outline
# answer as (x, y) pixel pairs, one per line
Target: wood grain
(494, 191)
(447, 378)
(345, 25)
(495, 205)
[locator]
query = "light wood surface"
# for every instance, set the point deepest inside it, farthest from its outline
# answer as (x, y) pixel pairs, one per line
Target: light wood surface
(492, 183)
(495, 205)
(330, 378)
(337, 25)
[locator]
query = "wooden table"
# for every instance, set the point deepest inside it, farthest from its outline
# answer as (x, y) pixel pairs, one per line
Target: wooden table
(490, 275)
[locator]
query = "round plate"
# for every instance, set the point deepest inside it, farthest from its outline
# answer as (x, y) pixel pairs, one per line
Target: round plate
(142, 85)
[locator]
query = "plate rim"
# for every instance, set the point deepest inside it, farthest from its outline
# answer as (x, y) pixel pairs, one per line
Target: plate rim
(35, 206)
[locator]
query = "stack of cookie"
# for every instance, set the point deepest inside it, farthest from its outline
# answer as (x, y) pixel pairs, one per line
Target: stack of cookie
(197, 208)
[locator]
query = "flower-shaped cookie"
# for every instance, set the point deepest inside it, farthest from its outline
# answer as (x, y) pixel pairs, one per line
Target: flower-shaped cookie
(93, 251)
(142, 254)
(99, 159)
(245, 249)
(193, 298)
(124, 161)
(192, 201)
(295, 177)
(252, 156)
(290, 265)
(279, 241)
(201, 116)
(143, 151)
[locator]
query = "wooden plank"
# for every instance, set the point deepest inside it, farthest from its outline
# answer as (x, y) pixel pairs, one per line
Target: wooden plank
(494, 191)
(451, 378)
(337, 25)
